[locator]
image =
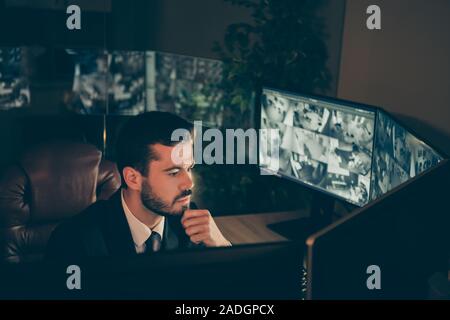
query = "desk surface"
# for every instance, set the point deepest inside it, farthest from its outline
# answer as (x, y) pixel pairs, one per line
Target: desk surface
(252, 228)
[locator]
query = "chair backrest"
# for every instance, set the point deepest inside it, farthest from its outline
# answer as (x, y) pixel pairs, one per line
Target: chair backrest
(50, 182)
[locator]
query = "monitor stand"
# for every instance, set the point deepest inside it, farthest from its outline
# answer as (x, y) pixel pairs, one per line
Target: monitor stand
(321, 214)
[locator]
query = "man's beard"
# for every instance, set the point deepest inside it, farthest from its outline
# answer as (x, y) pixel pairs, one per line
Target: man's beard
(157, 205)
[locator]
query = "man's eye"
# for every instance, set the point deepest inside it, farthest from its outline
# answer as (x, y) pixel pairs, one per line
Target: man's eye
(173, 173)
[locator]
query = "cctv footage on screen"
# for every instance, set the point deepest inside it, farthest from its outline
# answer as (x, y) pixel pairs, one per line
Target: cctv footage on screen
(331, 147)
(321, 144)
(14, 87)
(398, 156)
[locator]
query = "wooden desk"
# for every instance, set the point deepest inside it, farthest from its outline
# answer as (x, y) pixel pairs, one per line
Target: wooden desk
(252, 228)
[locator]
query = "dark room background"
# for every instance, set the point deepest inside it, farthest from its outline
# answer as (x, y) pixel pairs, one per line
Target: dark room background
(403, 68)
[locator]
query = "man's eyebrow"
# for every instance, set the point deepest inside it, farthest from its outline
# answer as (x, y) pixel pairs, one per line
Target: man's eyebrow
(172, 168)
(177, 167)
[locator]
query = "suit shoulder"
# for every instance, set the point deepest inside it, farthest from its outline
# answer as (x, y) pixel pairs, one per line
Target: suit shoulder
(69, 235)
(89, 216)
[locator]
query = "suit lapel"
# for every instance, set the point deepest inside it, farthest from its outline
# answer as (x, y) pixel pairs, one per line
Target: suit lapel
(170, 239)
(174, 235)
(117, 231)
(118, 235)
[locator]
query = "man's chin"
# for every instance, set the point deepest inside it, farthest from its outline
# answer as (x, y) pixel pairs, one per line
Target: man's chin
(166, 212)
(177, 210)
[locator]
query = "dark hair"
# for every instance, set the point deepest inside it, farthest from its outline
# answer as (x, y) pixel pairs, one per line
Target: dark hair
(133, 148)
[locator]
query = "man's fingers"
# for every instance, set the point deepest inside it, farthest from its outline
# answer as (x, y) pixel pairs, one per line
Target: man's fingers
(198, 238)
(201, 228)
(195, 221)
(197, 229)
(188, 214)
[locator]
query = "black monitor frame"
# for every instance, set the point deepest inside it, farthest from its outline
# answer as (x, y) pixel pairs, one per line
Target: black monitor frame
(256, 271)
(408, 251)
(345, 103)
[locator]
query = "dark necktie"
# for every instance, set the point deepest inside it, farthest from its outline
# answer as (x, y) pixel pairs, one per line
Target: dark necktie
(153, 243)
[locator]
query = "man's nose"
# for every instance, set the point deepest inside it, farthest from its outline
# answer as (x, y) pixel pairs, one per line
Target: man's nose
(188, 181)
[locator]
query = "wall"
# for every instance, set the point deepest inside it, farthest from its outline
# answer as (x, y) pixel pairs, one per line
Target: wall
(191, 27)
(404, 67)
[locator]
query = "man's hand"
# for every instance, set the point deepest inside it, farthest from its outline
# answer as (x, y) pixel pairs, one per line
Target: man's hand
(200, 227)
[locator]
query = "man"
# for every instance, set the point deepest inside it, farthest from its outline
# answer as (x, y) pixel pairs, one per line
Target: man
(276, 109)
(312, 118)
(152, 211)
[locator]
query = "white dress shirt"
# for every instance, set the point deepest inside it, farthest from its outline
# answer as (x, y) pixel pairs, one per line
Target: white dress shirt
(139, 231)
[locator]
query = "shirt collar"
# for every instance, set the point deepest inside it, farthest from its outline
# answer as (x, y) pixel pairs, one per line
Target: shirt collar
(139, 231)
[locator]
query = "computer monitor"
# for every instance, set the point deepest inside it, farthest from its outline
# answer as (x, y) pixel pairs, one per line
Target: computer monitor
(132, 82)
(350, 151)
(403, 233)
(186, 85)
(91, 81)
(398, 156)
(325, 145)
(127, 90)
(14, 86)
(108, 82)
(260, 271)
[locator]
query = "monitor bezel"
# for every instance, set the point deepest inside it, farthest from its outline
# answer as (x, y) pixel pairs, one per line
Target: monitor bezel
(325, 99)
(346, 103)
(313, 240)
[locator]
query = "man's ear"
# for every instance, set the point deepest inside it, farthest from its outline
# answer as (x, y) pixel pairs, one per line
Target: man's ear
(133, 178)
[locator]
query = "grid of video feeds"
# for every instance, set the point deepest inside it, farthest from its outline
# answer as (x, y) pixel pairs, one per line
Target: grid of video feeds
(131, 82)
(128, 82)
(324, 145)
(398, 156)
(188, 86)
(91, 82)
(14, 87)
(111, 83)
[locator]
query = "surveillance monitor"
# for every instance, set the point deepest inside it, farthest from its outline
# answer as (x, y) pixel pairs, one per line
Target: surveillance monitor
(351, 151)
(325, 145)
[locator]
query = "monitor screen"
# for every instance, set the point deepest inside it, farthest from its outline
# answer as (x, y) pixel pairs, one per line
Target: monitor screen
(127, 88)
(90, 84)
(387, 234)
(178, 274)
(132, 82)
(14, 87)
(185, 85)
(354, 152)
(108, 82)
(398, 156)
(322, 144)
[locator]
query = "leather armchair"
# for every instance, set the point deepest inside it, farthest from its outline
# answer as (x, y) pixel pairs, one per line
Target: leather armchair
(49, 183)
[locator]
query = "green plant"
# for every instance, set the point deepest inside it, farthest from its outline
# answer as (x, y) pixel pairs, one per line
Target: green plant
(283, 47)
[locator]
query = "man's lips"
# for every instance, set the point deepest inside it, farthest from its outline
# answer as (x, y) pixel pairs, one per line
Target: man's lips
(184, 199)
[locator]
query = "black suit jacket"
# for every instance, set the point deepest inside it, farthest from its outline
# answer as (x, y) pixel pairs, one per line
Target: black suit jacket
(102, 230)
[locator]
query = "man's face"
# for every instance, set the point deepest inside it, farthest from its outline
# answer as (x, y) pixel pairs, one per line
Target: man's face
(277, 108)
(168, 187)
(102, 64)
(359, 132)
(311, 121)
